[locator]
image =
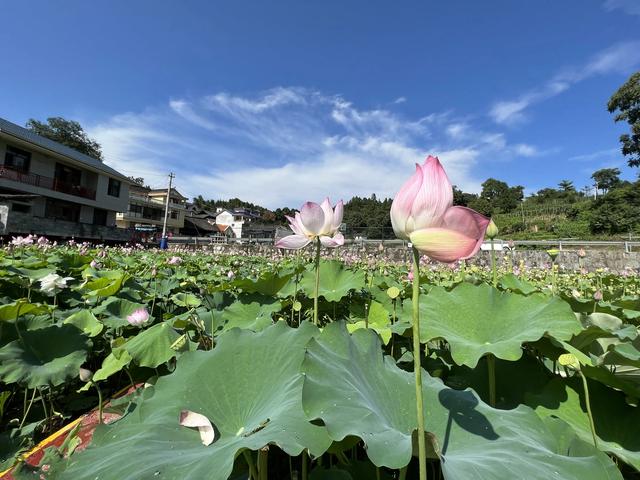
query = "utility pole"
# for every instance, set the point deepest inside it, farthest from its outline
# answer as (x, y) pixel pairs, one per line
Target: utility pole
(166, 209)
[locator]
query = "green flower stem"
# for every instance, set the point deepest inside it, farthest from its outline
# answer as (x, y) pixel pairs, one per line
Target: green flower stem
(99, 401)
(491, 369)
(403, 473)
(263, 464)
(317, 287)
(252, 468)
(304, 465)
(587, 401)
(26, 411)
(493, 265)
(422, 451)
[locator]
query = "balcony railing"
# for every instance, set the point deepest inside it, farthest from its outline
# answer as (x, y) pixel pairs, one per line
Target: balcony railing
(55, 184)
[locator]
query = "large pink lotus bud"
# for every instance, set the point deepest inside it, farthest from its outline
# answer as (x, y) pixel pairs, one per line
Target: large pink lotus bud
(423, 213)
(422, 200)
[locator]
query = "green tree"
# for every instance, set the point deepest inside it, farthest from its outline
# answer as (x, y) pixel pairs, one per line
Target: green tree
(501, 196)
(606, 178)
(66, 132)
(626, 101)
(617, 212)
(461, 198)
(566, 186)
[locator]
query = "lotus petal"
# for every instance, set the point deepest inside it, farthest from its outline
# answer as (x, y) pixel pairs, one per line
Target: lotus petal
(294, 226)
(337, 215)
(312, 218)
(434, 197)
(202, 423)
(328, 217)
(293, 242)
(403, 202)
(336, 241)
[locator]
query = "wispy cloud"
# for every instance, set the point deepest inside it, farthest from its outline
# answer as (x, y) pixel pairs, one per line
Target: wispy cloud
(620, 58)
(286, 145)
(632, 7)
(600, 154)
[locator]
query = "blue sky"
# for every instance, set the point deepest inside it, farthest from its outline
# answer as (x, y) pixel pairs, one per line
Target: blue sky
(286, 101)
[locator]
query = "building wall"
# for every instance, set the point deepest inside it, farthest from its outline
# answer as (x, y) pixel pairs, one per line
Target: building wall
(44, 165)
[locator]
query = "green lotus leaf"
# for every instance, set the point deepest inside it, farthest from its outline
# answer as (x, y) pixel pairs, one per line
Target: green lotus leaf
(355, 390)
(46, 356)
(249, 387)
(252, 312)
(616, 422)
(478, 319)
(116, 311)
(10, 311)
(113, 363)
(378, 320)
(152, 346)
(188, 300)
(268, 283)
(336, 281)
(515, 284)
(85, 321)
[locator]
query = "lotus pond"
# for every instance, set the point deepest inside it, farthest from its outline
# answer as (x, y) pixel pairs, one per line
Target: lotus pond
(533, 374)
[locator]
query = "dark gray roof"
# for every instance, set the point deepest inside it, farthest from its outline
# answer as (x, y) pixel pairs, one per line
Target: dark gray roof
(28, 136)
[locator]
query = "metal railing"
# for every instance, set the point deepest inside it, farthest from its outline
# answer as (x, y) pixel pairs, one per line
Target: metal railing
(41, 181)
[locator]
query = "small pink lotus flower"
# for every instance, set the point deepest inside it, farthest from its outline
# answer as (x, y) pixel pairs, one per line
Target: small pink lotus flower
(94, 264)
(230, 275)
(314, 221)
(138, 317)
(423, 212)
(582, 253)
(598, 295)
(174, 261)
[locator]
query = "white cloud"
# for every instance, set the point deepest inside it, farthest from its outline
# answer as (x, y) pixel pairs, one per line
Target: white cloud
(400, 100)
(288, 145)
(632, 7)
(620, 58)
(588, 157)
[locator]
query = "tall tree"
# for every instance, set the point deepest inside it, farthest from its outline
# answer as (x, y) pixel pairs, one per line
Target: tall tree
(566, 186)
(501, 196)
(606, 178)
(66, 132)
(626, 101)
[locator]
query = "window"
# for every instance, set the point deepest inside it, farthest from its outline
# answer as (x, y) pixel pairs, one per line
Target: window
(99, 216)
(21, 207)
(174, 214)
(61, 210)
(17, 159)
(114, 187)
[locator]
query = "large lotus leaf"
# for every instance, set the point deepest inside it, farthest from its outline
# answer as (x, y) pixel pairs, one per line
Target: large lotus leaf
(10, 311)
(377, 320)
(250, 388)
(108, 283)
(478, 319)
(46, 356)
(616, 422)
(336, 281)
(152, 347)
(252, 312)
(85, 321)
(113, 363)
(356, 390)
(116, 311)
(269, 283)
(515, 284)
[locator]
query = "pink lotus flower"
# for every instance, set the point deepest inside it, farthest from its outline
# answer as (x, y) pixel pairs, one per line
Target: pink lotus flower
(138, 317)
(314, 221)
(423, 213)
(174, 261)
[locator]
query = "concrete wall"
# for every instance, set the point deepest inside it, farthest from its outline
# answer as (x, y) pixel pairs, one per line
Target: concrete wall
(614, 260)
(24, 224)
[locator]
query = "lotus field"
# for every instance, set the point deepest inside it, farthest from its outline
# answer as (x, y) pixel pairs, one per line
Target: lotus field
(319, 363)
